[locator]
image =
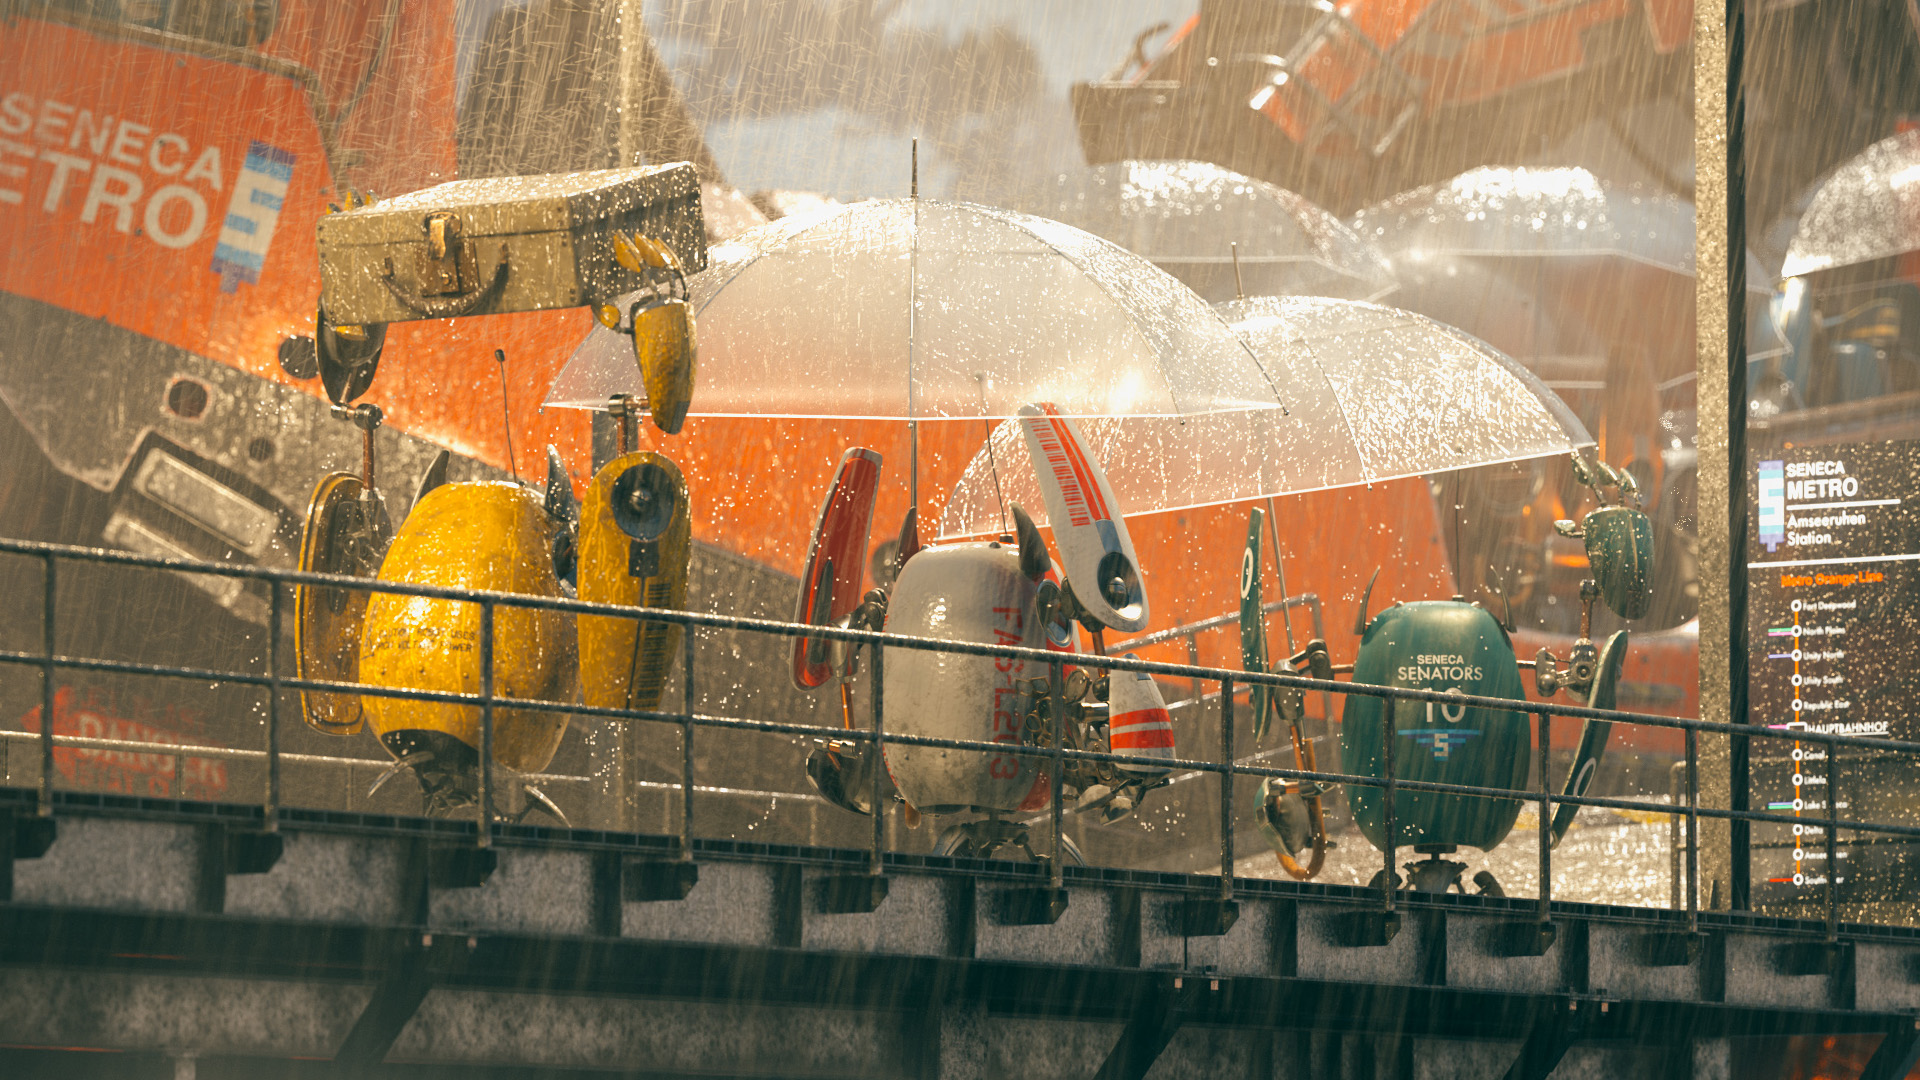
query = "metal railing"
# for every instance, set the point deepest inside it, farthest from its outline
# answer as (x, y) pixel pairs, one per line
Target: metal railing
(49, 663)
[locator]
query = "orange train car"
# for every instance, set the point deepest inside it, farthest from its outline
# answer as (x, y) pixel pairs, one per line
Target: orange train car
(161, 174)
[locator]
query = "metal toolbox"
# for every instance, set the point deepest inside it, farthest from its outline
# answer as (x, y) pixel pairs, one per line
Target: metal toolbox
(513, 243)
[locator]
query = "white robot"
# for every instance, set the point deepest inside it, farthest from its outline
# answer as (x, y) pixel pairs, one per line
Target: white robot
(1002, 592)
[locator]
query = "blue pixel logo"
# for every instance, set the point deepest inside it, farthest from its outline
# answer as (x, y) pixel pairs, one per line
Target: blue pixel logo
(251, 215)
(1773, 504)
(1440, 740)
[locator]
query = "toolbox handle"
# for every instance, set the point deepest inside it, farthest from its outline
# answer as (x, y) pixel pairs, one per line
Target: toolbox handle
(450, 306)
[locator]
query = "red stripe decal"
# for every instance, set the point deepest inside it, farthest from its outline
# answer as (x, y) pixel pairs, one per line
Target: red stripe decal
(1143, 729)
(1065, 476)
(1096, 502)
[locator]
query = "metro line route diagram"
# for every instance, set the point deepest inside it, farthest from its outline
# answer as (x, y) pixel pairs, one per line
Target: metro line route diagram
(1808, 644)
(1800, 756)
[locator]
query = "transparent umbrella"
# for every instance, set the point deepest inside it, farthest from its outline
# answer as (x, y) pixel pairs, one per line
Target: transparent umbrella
(1559, 212)
(1529, 212)
(916, 309)
(1509, 254)
(1867, 209)
(1373, 394)
(1182, 215)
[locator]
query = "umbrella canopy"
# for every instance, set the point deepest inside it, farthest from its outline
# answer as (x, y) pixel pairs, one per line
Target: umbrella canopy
(1530, 212)
(916, 309)
(1182, 215)
(1868, 209)
(1535, 213)
(1573, 249)
(1373, 394)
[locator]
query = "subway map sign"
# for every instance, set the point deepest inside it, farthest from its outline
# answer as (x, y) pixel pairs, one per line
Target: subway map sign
(1833, 618)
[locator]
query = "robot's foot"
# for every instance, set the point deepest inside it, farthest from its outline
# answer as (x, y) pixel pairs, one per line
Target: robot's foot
(1488, 886)
(1286, 823)
(1072, 850)
(953, 843)
(1439, 876)
(842, 772)
(1435, 875)
(449, 774)
(986, 839)
(1110, 803)
(535, 799)
(448, 770)
(981, 839)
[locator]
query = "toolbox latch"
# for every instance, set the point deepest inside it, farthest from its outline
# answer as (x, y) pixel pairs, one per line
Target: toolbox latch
(448, 272)
(447, 266)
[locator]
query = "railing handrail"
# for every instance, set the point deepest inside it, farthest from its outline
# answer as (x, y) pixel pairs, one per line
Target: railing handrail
(714, 621)
(488, 702)
(1173, 633)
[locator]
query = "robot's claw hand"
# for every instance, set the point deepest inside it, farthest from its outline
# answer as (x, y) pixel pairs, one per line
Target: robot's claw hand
(1313, 660)
(1079, 686)
(1546, 674)
(872, 612)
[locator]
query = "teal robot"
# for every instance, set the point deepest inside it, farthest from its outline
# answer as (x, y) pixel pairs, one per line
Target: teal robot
(1449, 647)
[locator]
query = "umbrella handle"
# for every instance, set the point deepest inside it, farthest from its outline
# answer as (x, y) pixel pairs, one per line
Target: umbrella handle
(1305, 760)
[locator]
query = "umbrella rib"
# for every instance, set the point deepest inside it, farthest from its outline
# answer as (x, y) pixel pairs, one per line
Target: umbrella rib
(759, 254)
(1353, 433)
(1172, 399)
(1100, 284)
(731, 278)
(1555, 406)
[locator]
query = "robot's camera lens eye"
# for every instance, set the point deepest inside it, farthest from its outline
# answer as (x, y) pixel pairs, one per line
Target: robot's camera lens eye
(1117, 579)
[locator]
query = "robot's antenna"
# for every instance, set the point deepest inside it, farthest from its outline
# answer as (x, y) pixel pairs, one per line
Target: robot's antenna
(506, 417)
(1366, 601)
(913, 298)
(1506, 601)
(1279, 565)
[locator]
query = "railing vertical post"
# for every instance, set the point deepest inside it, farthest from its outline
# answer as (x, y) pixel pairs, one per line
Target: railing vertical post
(1833, 841)
(1193, 658)
(1673, 834)
(1693, 830)
(1057, 681)
(271, 812)
(879, 759)
(686, 744)
(1545, 724)
(1226, 789)
(47, 687)
(1387, 849)
(485, 814)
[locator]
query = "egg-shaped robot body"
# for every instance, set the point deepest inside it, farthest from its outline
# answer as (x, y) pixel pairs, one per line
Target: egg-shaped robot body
(486, 536)
(1448, 646)
(962, 592)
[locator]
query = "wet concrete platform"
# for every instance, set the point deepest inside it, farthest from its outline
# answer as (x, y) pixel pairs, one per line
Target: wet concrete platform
(176, 939)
